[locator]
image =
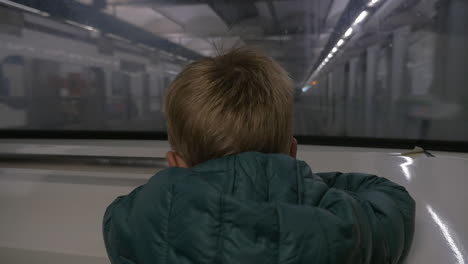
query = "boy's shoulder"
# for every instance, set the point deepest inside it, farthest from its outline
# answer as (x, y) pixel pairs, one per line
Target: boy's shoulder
(258, 195)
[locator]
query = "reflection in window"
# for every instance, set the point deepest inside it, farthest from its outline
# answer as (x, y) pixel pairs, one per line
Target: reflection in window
(378, 69)
(12, 92)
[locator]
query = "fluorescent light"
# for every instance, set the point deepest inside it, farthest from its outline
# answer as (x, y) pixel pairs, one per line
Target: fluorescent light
(81, 25)
(146, 47)
(120, 38)
(171, 72)
(340, 43)
(334, 50)
(305, 88)
(348, 32)
(361, 17)
(373, 2)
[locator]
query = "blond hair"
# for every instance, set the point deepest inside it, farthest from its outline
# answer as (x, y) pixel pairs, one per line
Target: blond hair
(240, 101)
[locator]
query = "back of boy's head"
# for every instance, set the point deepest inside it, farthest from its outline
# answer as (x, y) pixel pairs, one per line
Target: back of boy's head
(240, 101)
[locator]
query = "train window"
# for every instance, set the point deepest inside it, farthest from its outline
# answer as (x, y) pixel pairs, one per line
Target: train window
(12, 92)
(385, 69)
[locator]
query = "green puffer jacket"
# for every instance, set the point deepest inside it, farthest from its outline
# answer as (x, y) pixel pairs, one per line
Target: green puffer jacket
(254, 208)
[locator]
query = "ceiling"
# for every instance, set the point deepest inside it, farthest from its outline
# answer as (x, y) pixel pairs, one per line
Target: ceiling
(292, 31)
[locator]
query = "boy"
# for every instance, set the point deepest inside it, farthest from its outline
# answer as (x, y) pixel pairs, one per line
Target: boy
(235, 194)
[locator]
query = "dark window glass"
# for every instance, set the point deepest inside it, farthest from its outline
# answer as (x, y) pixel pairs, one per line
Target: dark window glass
(392, 69)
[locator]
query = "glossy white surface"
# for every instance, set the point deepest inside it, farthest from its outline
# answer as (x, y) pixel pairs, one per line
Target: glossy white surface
(437, 184)
(54, 216)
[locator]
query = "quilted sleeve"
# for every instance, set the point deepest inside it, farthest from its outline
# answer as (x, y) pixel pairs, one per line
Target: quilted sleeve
(116, 231)
(135, 225)
(388, 210)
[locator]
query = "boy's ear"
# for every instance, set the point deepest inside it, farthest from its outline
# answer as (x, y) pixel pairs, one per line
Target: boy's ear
(293, 148)
(175, 160)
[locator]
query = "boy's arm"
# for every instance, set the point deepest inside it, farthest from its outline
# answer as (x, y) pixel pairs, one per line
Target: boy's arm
(389, 210)
(114, 230)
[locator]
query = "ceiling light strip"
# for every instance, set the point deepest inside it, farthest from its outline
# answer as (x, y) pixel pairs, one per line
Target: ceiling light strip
(348, 33)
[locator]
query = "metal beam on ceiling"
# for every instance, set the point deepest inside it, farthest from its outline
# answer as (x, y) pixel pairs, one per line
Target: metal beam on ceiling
(87, 15)
(232, 12)
(274, 15)
(185, 2)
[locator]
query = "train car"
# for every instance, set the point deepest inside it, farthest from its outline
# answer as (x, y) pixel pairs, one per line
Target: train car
(379, 88)
(84, 79)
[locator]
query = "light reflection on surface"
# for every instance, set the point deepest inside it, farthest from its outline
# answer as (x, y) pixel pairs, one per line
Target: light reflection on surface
(405, 167)
(445, 231)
